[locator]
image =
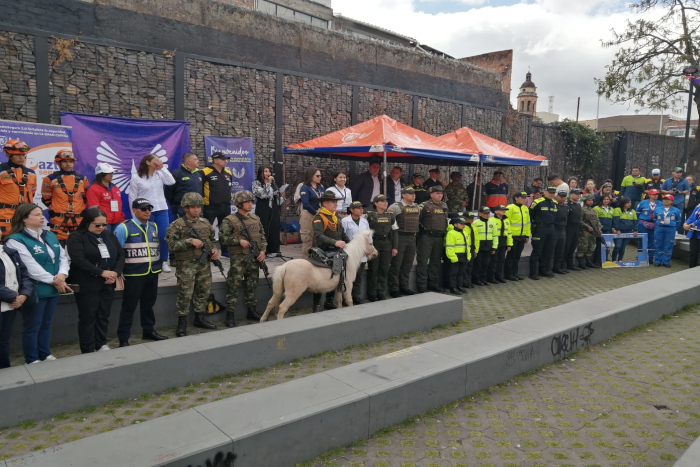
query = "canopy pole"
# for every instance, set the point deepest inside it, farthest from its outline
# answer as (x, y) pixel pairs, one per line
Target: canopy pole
(385, 163)
(477, 190)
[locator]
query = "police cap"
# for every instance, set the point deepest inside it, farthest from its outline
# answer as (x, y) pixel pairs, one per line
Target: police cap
(407, 190)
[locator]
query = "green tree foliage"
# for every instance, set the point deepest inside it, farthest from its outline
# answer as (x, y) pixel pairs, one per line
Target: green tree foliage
(585, 148)
(652, 52)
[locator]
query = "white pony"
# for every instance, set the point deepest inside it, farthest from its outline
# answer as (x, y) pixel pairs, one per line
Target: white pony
(295, 277)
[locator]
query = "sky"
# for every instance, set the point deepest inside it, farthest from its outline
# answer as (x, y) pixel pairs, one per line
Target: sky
(559, 41)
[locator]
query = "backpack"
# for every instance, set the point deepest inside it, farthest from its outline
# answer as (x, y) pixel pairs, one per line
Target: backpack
(297, 198)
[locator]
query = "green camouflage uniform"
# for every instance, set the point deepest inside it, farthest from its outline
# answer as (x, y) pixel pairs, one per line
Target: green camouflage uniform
(455, 194)
(241, 272)
(193, 277)
(586, 240)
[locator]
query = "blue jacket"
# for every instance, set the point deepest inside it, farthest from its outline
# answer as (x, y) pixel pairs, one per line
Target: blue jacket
(26, 286)
(309, 198)
(644, 211)
(186, 181)
(605, 218)
(673, 218)
(680, 185)
(625, 222)
(694, 221)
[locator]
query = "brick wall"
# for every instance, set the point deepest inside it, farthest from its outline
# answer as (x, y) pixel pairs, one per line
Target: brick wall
(500, 62)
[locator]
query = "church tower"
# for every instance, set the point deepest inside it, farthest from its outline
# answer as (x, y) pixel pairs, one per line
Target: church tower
(527, 99)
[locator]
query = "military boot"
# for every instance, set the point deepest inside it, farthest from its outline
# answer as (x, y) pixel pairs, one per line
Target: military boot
(572, 267)
(201, 322)
(330, 301)
(591, 264)
(181, 326)
(317, 303)
(230, 319)
(581, 262)
(253, 313)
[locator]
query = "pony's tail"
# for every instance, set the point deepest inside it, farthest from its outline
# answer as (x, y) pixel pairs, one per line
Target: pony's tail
(278, 284)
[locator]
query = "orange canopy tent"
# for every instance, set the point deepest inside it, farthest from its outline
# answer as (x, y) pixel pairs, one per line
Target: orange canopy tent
(384, 136)
(490, 150)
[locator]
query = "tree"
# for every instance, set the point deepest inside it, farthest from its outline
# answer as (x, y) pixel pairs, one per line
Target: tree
(648, 67)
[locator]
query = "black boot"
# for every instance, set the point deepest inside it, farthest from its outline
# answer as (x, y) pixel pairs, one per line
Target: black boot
(590, 263)
(124, 343)
(181, 326)
(253, 313)
(581, 262)
(201, 322)
(317, 303)
(230, 319)
(572, 267)
(330, 301)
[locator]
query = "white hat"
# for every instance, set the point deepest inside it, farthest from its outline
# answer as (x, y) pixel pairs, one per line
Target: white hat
(656, 172)
(104, 168)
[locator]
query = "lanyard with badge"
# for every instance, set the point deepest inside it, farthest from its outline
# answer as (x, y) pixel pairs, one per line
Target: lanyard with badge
(104, 251)
(113, 203)
(666, 213)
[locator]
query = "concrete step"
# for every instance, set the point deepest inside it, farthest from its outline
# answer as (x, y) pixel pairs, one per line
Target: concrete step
(82, 381)
(295, 421)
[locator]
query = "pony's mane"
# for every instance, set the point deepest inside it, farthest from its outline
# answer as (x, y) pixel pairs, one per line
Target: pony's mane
(355, 247)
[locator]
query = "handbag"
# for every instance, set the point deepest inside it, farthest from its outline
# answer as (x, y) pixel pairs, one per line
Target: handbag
(119, 283)
(649, 225)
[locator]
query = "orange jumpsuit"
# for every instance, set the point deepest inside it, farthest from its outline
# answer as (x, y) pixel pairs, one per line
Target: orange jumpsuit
(17, 186)
(64, 194)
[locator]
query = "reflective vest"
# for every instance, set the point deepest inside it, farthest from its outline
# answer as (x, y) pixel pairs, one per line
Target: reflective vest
(64, 194)
(38, 250)
(472, 235)
(486, 231)
(519, 217)
(502, 229)
(141, 249)
(456, 243)
(17, 186)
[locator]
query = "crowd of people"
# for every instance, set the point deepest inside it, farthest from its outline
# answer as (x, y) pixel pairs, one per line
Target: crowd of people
(89, 249)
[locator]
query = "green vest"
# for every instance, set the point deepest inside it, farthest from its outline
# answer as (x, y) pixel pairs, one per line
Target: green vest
(38, 250)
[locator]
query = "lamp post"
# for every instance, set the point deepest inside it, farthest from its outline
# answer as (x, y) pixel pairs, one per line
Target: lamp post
(690, 72)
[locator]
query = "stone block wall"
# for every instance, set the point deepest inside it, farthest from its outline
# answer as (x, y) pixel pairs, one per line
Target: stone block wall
(501, 62)
(17, 77)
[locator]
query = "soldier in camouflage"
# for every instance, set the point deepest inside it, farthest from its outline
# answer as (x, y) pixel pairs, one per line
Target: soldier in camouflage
(193, 276)
(590, 228)
(456, 194)
(242, 272)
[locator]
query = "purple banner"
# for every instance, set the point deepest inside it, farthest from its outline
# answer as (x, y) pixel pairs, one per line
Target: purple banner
(122, 142)
(241, 162)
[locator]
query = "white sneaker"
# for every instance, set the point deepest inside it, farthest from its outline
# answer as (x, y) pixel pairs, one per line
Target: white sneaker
(166, 268)
(50, 358)
(35, 361)
(103, 348)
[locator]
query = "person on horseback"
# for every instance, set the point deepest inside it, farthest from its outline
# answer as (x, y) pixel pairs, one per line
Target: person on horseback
(329, 236)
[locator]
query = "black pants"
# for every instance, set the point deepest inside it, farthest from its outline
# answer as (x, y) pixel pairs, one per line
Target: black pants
(542, 244)
(94, 307)
(377, 273)
(138, 290)
(7, 319)
(559, 258)
(571, 242)
(457, 272)
(483, 259)
(694, 251)
(468, 271)
(497, 264)
(218, 213)
(357, 284)
(513, 256)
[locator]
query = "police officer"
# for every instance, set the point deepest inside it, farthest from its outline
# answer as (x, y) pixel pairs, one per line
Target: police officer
(188, 179)
(433, 179)
(216, 188)
(519, 216)
(243, 272)
(456, 193)
(473, 242)
(573, 226)
(17, 182)
(503, 242)
(193, 276)
(543, 213)
(139, 239)
(63, 192)
(485, 228)
(417, 185)
(558, 263)
(329, 236)
(386, 241)
(407, 215)
(431, 241)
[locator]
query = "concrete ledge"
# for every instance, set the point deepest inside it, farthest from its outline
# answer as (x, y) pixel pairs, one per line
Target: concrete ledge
(82, 381)
(691, 457)
(298, 420)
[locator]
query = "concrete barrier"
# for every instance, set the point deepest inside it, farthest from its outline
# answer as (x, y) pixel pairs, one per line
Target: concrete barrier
(295, 421)
(691, 457)
(82, 381)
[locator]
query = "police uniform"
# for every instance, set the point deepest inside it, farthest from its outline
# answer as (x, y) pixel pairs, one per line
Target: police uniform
(543, 213)
(573, 227)
(474, 244)
(193, 276)
(385, 238)
(17, 183)
(485, 228)
(64, 194)
(241, 272)
(431, 240)
(421, 193)
(519, 216)
(142, 264)
(429, 183)
(408, 220)
(216, 188)
(458, 255)
(504, 237)
(558, 263)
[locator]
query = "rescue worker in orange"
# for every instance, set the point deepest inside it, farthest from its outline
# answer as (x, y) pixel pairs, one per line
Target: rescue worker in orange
(17, 182)
(63, 192)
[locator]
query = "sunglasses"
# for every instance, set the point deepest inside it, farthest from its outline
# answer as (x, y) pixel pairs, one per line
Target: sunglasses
(149, 208)
(99, 226)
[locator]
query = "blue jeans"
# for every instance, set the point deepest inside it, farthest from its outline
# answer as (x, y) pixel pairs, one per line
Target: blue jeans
(651, 246)
(36, 329)
(620, 246)
(162, 220)
(7, 319)
(665, 238)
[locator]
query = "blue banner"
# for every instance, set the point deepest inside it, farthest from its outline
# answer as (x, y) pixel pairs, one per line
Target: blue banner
(122, 142)
(613, 242)
(241, 162)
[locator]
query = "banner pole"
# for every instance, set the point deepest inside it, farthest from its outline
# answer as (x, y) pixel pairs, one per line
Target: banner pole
(385, 192)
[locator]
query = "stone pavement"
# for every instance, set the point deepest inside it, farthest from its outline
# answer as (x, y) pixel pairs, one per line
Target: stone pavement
(482, 306)
(633, 401)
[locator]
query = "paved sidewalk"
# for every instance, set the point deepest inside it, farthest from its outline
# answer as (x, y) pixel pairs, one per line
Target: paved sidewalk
(482, 306)
(633, 401)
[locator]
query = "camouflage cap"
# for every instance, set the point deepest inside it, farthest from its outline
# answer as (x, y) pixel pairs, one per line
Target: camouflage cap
(241, 197)
(435, 189)
(586, 197)
(192, 199)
